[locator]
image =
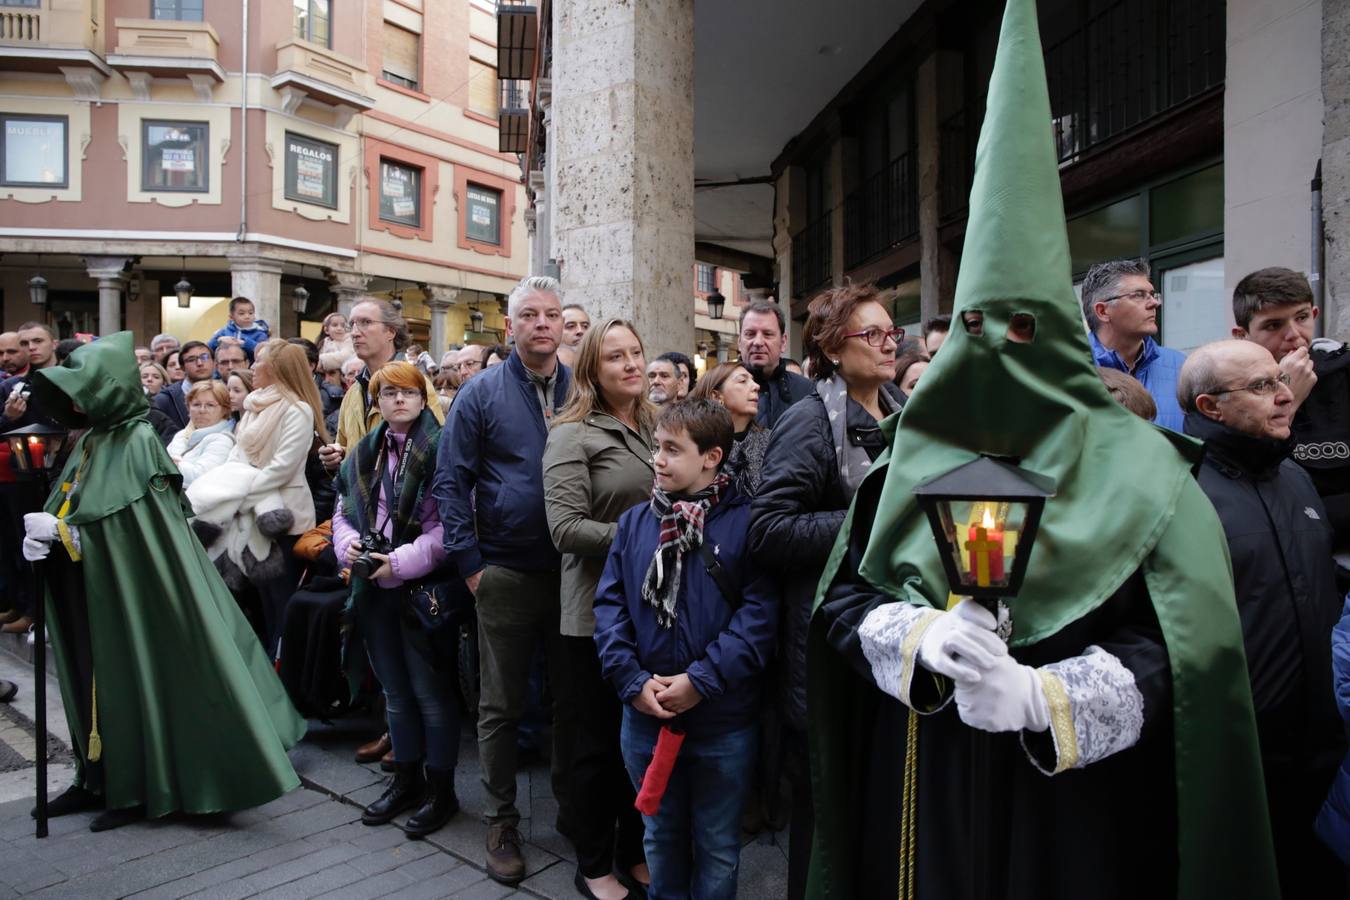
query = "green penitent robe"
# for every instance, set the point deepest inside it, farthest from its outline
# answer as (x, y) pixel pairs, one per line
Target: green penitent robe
(190, 715)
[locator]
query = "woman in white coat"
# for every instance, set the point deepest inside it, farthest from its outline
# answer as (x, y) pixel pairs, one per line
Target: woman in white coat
(209, 437)
(250, 510)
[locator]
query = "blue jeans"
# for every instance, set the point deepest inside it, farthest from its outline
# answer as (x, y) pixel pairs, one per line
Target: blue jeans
(693, 842)
(419, 700)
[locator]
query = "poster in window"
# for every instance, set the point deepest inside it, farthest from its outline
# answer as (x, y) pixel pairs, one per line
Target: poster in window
(35, 151)
(311, 171)
(174, 156)
(176, 160)
(483, 207)
(399, 186)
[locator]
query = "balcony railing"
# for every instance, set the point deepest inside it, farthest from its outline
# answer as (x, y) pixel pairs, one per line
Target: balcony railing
(513, 117)
(1130, 62)
(21, 25)
(883, 213)
(811, 256)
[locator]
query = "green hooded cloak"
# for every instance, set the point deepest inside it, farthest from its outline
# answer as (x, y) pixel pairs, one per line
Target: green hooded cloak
(191, 715)
(1126, 499)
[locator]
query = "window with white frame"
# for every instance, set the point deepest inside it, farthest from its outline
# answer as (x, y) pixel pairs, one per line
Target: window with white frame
(33, 152)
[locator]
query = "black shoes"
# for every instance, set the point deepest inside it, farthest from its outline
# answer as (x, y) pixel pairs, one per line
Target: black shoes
(116, 818)
(439, 805)
(74, 799)
(404, 792)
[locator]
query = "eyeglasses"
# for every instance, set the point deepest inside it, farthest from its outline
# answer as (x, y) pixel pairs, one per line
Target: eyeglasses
(200, 357)
(1138, 296)
(395, 393)
(876, 337)
(363, 324)
(1260, 388)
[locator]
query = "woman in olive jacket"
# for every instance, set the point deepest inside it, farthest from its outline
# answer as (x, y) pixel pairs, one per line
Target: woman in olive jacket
(597, 464)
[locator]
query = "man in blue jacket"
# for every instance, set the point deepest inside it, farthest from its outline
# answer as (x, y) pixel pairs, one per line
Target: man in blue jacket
(490, 489)
(684, 624)
(1121, 309)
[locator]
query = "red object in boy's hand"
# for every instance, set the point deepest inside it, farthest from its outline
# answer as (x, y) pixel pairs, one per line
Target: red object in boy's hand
(657, 776)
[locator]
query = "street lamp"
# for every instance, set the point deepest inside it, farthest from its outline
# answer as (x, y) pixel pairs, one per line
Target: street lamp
(984, 515)
(37, 290)
(33, 450)
(300, 299)
(715, 303)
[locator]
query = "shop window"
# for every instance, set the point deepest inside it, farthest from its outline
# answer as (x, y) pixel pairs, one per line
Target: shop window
(177, 10)
(706, 276)
(30, 3)
(1196, 309)
(312, 23)
(34, 151)
(1188, 207)
(402, 56)
(1112, 232)
(482, 88)
(311, 171)
(174, 156)
(400, 194)
(483, 214)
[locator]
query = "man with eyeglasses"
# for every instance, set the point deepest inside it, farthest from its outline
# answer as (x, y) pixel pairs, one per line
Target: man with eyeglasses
(230, 356)
(1121, 310)
(198, 365)
(1280, 541)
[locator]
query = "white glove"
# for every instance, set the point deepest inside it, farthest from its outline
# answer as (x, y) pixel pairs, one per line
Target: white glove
(962, 644)
(35, 550)
(1008, 697)
(40, 526)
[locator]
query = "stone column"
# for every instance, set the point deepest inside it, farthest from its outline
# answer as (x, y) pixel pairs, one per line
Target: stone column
(1335, 168)
(622, 199)
(348, 287)
(259, 279)
(439, 299)
(726, 345)
(937, 268)
(111, 281)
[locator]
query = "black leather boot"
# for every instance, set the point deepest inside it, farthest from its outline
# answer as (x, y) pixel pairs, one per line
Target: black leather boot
(404, 792)
(439, 805)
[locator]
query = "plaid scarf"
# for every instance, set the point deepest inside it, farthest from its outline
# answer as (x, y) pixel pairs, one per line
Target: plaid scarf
(681, 532)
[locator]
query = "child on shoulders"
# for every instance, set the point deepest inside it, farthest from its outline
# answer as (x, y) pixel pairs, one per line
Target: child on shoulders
(249, 331)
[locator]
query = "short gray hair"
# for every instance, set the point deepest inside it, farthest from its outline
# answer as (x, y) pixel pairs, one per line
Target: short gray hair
(534, 284)
(1101, 280)
(159, 340)
(1199, 374)
(390, 315)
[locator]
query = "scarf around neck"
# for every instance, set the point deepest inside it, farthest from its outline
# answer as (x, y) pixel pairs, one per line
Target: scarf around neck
(852, 460)
(681, 521)
(263, 410)
(196, 435)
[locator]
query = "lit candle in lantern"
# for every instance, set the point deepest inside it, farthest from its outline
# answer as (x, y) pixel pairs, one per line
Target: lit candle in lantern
(35, 451)
(986, 551)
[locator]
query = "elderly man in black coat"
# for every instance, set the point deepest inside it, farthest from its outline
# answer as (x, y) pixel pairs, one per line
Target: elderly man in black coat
(1239, 403)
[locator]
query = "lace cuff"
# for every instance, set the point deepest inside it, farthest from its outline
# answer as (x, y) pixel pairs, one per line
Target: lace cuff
(1096, 710)
(890, 636)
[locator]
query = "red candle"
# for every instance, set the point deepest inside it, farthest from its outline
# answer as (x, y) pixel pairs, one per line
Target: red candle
(35, 451)
(986, 540)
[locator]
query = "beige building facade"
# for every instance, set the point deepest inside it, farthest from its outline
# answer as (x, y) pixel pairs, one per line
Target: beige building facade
(299, 152)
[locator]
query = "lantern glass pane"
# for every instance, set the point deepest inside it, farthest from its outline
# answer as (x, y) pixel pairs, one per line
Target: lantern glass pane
(982, 537)
(18, 454)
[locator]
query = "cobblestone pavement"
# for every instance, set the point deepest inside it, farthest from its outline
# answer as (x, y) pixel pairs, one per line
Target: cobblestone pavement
(309, 843)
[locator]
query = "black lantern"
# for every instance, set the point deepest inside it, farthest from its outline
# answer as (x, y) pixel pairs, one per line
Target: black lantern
(300, 299)
(984, 515)
(715, 302)
(37, 290)
(33, 449)
(183, 289)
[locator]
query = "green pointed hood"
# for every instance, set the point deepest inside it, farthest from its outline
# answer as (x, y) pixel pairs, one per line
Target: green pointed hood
(1040, 402)
(101, 378)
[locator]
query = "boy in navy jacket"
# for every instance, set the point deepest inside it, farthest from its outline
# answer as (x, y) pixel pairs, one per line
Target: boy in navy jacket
(682, 653)
(242, 326)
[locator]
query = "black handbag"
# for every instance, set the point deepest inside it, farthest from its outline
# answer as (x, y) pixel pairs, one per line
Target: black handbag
(431, 602)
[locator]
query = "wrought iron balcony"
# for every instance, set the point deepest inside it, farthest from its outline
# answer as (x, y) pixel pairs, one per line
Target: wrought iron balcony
(513, 116)
(517, 40)
(812, 263)
(1132, 61)
(883, 213)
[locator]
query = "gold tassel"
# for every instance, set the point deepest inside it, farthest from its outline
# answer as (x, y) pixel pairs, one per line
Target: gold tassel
(95, 742)
(909, 797)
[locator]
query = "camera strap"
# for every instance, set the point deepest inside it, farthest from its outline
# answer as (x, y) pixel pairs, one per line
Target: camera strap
(390, 483)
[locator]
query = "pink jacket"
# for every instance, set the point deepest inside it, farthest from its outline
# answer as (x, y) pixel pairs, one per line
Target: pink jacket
(409, 561)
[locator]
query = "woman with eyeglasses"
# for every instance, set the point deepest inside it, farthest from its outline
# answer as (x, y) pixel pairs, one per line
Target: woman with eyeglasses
(387, 530)
(209, 437)
(818, 453)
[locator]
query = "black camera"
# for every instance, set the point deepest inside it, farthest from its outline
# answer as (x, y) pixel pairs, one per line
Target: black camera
(371, 542)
